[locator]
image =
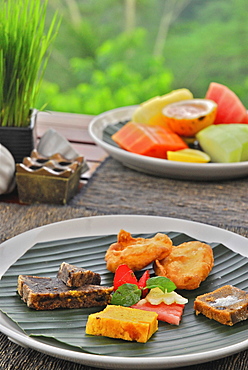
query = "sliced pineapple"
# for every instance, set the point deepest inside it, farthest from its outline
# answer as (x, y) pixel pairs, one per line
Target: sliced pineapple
(188, 155)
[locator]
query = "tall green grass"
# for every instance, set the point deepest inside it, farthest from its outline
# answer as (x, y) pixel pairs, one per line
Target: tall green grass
(24, 47)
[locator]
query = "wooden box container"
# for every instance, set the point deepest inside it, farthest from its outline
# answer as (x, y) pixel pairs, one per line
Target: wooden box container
(48, 180)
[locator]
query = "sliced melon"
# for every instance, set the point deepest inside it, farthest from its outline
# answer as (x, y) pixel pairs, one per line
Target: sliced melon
(240, 132)
(152, 141)
(219, 144)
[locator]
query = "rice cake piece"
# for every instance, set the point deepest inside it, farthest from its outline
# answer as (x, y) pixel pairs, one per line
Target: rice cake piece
(227, 305)
(74, 276)
(123, 323)
(43, 293)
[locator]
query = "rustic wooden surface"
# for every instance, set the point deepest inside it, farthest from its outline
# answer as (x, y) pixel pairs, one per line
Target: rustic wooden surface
(111, 188)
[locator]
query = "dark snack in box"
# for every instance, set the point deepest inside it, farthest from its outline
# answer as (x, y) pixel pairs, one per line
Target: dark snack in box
(44, 293)
(74, 276)
(227, 305)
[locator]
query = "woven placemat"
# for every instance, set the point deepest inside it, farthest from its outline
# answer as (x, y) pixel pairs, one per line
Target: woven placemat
(16, 218)
(115, 189)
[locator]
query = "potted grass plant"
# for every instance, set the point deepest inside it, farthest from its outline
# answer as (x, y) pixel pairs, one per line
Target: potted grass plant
(25, 41)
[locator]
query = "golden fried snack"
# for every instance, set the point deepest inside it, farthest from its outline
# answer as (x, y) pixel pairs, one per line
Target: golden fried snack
(187, 265)
(137, 253)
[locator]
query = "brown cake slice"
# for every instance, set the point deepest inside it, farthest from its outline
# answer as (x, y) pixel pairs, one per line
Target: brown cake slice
(74, 276)
(227, 305)
(42, 293)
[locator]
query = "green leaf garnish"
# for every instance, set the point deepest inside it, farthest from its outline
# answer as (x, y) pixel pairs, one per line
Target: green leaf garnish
(126, 295)
(161, 282)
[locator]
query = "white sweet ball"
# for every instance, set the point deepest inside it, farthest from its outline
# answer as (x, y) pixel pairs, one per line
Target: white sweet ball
(7, 171)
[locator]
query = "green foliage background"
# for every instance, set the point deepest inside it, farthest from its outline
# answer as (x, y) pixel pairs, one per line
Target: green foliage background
(112, 53)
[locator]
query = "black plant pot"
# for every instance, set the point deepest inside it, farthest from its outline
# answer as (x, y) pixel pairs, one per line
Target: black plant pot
(20, 141)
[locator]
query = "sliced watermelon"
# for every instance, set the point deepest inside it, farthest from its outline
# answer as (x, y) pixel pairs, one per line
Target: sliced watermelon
(171, 314)
(230, 108)
(123, 275)
(246, 118)
(142, 282)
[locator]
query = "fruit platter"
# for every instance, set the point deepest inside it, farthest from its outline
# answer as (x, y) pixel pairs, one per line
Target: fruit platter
(179, 136)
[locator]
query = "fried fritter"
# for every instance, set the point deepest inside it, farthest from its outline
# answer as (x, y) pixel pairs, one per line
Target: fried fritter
(137, 253)
(187, 265)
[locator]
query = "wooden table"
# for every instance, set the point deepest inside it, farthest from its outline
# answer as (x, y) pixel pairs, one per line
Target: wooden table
(75, 128)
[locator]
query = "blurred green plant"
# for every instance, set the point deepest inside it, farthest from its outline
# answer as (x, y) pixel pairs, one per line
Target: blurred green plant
(194, 41)
(123, 72)
(23, 57)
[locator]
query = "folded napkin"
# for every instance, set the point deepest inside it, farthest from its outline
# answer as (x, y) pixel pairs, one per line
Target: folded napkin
(52, 142)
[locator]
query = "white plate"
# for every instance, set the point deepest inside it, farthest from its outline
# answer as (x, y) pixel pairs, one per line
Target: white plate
(157, 166)
(12, 249)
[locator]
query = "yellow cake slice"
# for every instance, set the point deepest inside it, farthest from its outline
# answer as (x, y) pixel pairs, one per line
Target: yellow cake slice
(123, 323)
